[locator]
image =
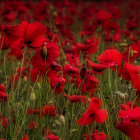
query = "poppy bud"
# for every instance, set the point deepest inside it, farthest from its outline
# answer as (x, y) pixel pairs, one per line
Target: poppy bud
(62, 119)
(123, 44)
(38, 84)
(57, 122)
(14, 138)
(44, 51)
(132, 52)
(54, 125)
(54, 14)
(55, 31)
(73, 130)
(32, 96)
(19, 63)
(25, 78)
(89, 99)
(122, 96)
(50, 102)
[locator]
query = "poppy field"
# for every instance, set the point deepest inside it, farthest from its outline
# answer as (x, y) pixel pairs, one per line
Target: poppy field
(69, 70)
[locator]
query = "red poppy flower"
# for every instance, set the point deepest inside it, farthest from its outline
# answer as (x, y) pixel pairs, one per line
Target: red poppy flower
(109, 56)
(33, 34)
(40, 10)
(69, 69)
(25, 137)
(44, 59)
(49, 110)
(55, 66)
(132, 24)
(102, 16)
(33, 125)
(89, 84)
(130, 113)
(127, 106)
(89, 48)
(56, 82)
(16, 49)
(45, 55)
(132, 52)
(33, 111)
(115, 11)
(134, 74)
(5, 122)
(111, 25)
(76, 98)
(130, 120)
(2, 88)
(93, 113)
(116, 37)
(52, 137)
(10, 34)
(99, 67)
(96, 135)
(3, 96)
(73, 59)
(129, 128)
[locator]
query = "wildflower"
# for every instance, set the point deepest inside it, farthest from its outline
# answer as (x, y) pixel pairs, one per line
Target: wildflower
(93, 113)
(25, 137)
(110, 56)
(99, 67)
(52, 137)
(76, 98)
(33, 125)
(49, 110)
(102, 16)
(33, 34)
(69, 69)
(96, 135)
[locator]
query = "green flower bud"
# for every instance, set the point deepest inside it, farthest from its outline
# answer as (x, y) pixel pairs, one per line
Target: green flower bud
(32, 96)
